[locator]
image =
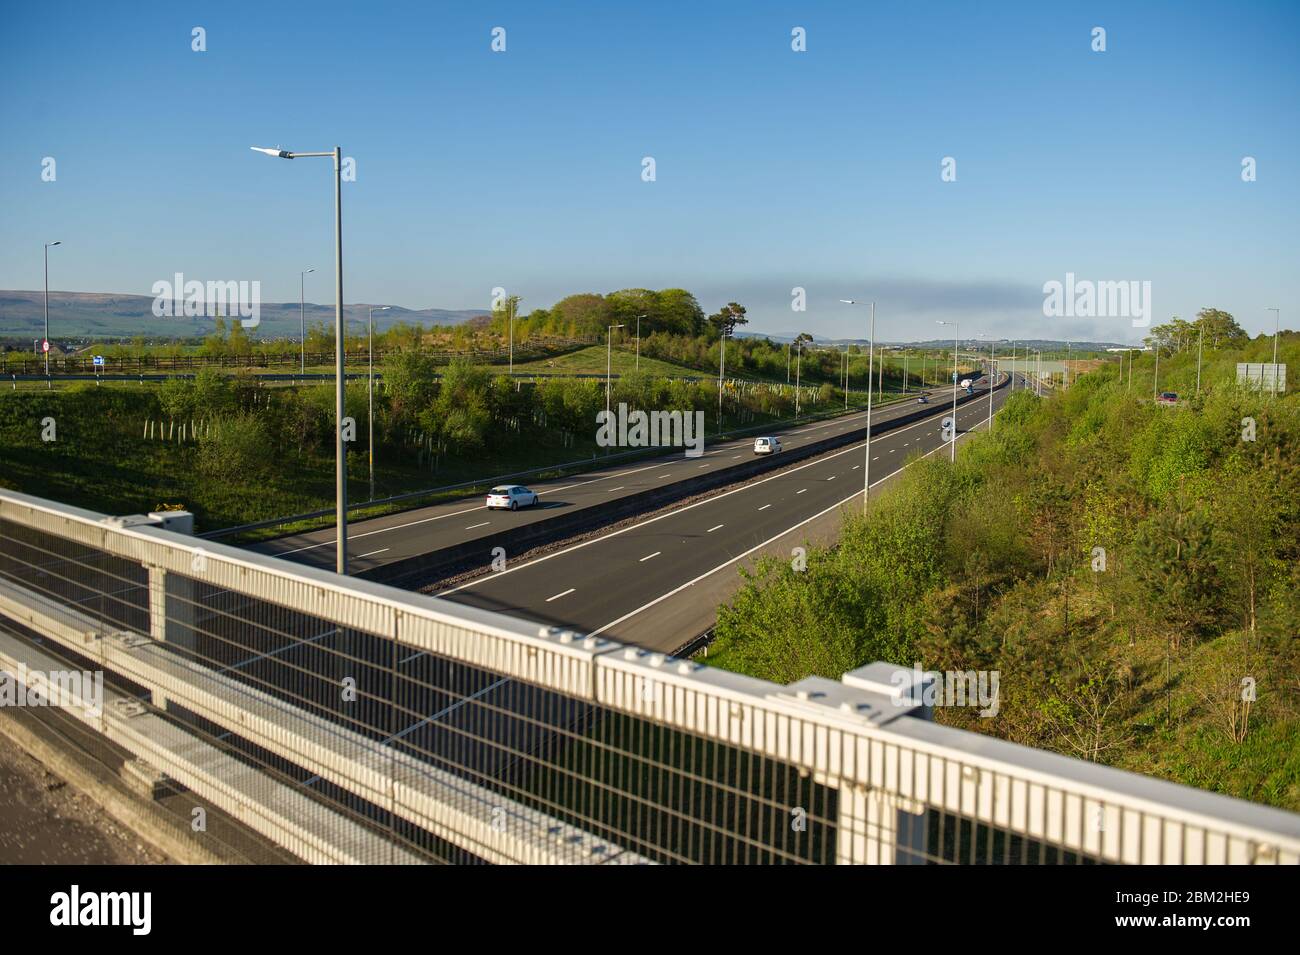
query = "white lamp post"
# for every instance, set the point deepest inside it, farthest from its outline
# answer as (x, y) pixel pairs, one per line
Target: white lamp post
(953, 457)
(302, 322)
(609, 355)
(44, 344)
(1277, 325)
(871, 351)
(340, 453)
(370, 395)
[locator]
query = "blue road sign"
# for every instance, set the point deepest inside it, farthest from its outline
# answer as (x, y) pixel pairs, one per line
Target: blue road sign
(98, 359)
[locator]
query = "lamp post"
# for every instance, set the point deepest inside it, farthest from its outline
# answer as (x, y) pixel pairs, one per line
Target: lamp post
(44, 344)
(302, 322)
(954, 389)
(846, 377)
(609, 355)
(722, 366)
(798, 363)
(512, 306)
(871, 350)
(1277, 324)
(340, 453)
(1200, 342)
(370, 396)
(638, 341)
(992, 345)
(1155, 377)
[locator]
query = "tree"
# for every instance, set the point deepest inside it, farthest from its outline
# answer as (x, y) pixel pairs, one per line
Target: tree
(725, 320)
(1219, 328)
(586, 314)
(1176, 564)
(410, 384)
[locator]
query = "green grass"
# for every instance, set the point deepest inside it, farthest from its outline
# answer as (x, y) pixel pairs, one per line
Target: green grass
(591, 361)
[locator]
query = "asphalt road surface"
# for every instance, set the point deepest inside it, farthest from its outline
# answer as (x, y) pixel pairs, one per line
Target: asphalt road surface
(596, 585)
(394, 537)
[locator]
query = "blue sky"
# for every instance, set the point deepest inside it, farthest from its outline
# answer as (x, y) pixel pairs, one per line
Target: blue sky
(774, 169)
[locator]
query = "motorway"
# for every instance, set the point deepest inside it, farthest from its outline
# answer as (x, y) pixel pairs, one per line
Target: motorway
(601, 585)
(396, 537)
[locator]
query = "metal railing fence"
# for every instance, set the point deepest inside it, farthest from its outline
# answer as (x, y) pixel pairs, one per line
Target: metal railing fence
(348, 721)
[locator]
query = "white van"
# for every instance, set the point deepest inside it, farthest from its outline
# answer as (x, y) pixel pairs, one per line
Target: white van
(766, 445)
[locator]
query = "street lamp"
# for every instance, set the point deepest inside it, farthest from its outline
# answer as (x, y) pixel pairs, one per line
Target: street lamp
(370, 395)
(992, 378)
(302, 322)
(871, 351)
(1200, 342)
(798, 365)
(1277, 324)
(1155, 377)
(954, 389)
(609, 354)
(845, 375)
(638, 340)
(340, 453)
(722, 370)
(45, 345)
(512, 304)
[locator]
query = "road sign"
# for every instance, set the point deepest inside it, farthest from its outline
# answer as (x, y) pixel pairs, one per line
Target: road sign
(99, 359)
(45, 345)
(1262, 376)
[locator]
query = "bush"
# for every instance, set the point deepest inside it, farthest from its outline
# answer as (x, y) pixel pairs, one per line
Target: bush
(236, 448)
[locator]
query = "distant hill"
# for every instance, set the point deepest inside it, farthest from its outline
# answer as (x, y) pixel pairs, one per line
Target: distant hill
(106, 315)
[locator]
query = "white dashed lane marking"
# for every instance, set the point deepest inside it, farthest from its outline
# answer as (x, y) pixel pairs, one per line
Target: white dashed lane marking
(561, 594)
(648, 556)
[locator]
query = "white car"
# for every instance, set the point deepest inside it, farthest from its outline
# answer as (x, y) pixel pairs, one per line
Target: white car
(766, 445)
(511, 497)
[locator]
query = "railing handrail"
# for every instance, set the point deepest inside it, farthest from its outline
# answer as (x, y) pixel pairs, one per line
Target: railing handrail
(849, 749)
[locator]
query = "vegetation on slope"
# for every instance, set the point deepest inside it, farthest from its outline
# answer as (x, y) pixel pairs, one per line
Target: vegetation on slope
(1175, 655)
